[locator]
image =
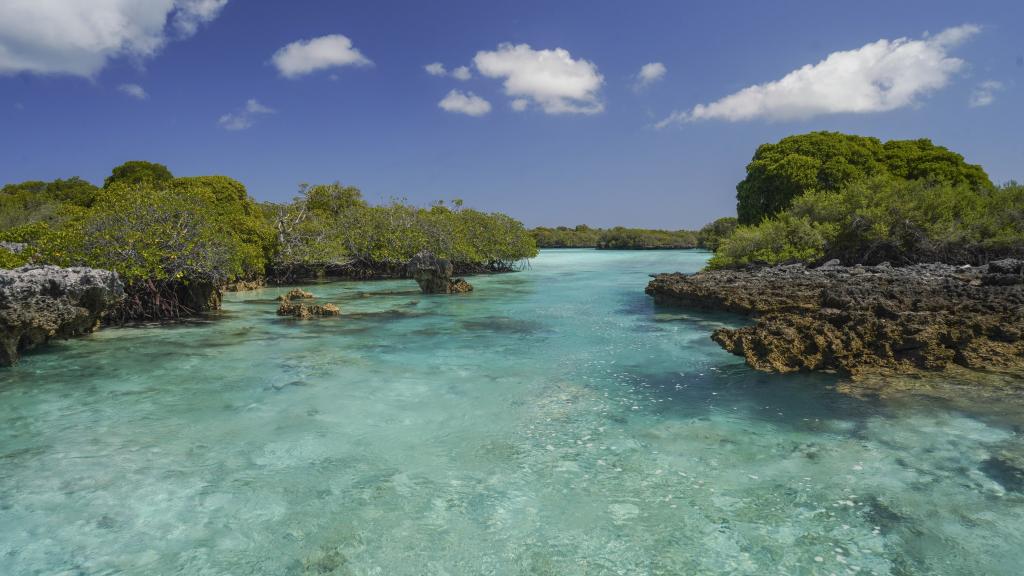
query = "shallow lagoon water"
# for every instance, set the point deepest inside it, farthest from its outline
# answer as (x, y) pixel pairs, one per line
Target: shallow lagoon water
(552, 422)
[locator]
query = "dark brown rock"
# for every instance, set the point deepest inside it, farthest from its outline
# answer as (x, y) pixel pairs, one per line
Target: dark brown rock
(860, 320)
(295, 294)
(306, 311)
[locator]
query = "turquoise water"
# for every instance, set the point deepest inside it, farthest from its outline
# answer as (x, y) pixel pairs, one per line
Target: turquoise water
(553, 422)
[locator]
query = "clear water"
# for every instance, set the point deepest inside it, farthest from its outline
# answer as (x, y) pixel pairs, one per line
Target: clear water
(552, 422)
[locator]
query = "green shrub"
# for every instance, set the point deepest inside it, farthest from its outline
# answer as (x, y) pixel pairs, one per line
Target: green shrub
(711, 235)
(135, 172)
(780, 240)
(332, 225)
(829, 161)
(887, 219)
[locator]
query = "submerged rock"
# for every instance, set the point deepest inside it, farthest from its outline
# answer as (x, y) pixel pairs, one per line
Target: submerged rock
(306, 311)
(434, 275)
(38, 303)
(861, 319)
(295, 294)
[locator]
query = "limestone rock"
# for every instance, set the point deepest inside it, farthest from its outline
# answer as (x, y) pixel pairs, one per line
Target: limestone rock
(306, 311)
(434, 275)
(864, 319)
(295, 294)
(38, 303)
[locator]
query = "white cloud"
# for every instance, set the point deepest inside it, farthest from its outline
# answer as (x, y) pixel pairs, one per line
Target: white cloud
(79, 38)
(307, 56)
(878, 77)
(191, 13)
(520, 104)
(134, 90)
(551, 78)
(649, 74)
(438, 69)
(245, 117)
(984, 93)
(465, 103)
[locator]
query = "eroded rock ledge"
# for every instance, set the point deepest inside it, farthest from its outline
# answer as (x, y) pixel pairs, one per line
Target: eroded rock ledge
(38, 303)
(861, 320)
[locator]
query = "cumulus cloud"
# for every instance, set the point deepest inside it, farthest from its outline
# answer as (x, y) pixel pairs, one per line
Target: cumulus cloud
(551, 78)
(245, 117)
(520, 104)
(877, 77)
(308, 56)
(649, 73)
(435, 69)
(134, 90)
(79, 38)
(465, 103)
(462, 73)
(984, 93)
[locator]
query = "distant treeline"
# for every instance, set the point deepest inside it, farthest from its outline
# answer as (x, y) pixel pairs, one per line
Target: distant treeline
(621, 238)
(175, 241)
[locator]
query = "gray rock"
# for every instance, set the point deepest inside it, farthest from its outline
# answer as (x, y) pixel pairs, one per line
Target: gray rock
(15, 247)
(38, 303)
(434, 275)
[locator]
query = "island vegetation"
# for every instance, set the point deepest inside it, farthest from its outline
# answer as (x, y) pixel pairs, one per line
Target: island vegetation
(822, 196)
(864, 257)
(176, 241)
(622, 238)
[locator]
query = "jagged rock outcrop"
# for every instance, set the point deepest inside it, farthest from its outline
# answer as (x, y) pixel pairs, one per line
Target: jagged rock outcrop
(38, 303)
(305, 311)
(295, 294)
(434, 275)
(302, 310)
(861, 320)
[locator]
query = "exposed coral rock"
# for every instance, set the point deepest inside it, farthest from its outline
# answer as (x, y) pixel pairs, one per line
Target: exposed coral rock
(459, 286)
(244, 285)
(306, 311)
(434, 275)
(864, 319)
(38, 303)
(295, 294)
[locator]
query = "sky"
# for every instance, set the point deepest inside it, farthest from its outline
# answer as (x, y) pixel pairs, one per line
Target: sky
(634, 113)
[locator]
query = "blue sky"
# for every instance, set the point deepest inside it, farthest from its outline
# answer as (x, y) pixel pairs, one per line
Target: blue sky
(195, 84)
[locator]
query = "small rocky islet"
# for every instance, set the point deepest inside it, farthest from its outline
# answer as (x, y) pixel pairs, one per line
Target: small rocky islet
(862, 320)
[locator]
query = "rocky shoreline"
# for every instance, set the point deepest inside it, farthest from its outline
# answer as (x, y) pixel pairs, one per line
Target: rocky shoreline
(863, 320)
(40, 303)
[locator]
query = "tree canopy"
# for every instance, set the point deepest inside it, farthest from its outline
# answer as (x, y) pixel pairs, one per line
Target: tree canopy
(828, 161)
(139, 172)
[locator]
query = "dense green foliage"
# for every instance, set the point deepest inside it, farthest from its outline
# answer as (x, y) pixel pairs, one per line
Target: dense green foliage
(886, 219)
(330, 225)
(36, 201)
(711, 235)
(618, 238)
(139, 172)
(829, 161)
(581, 236)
